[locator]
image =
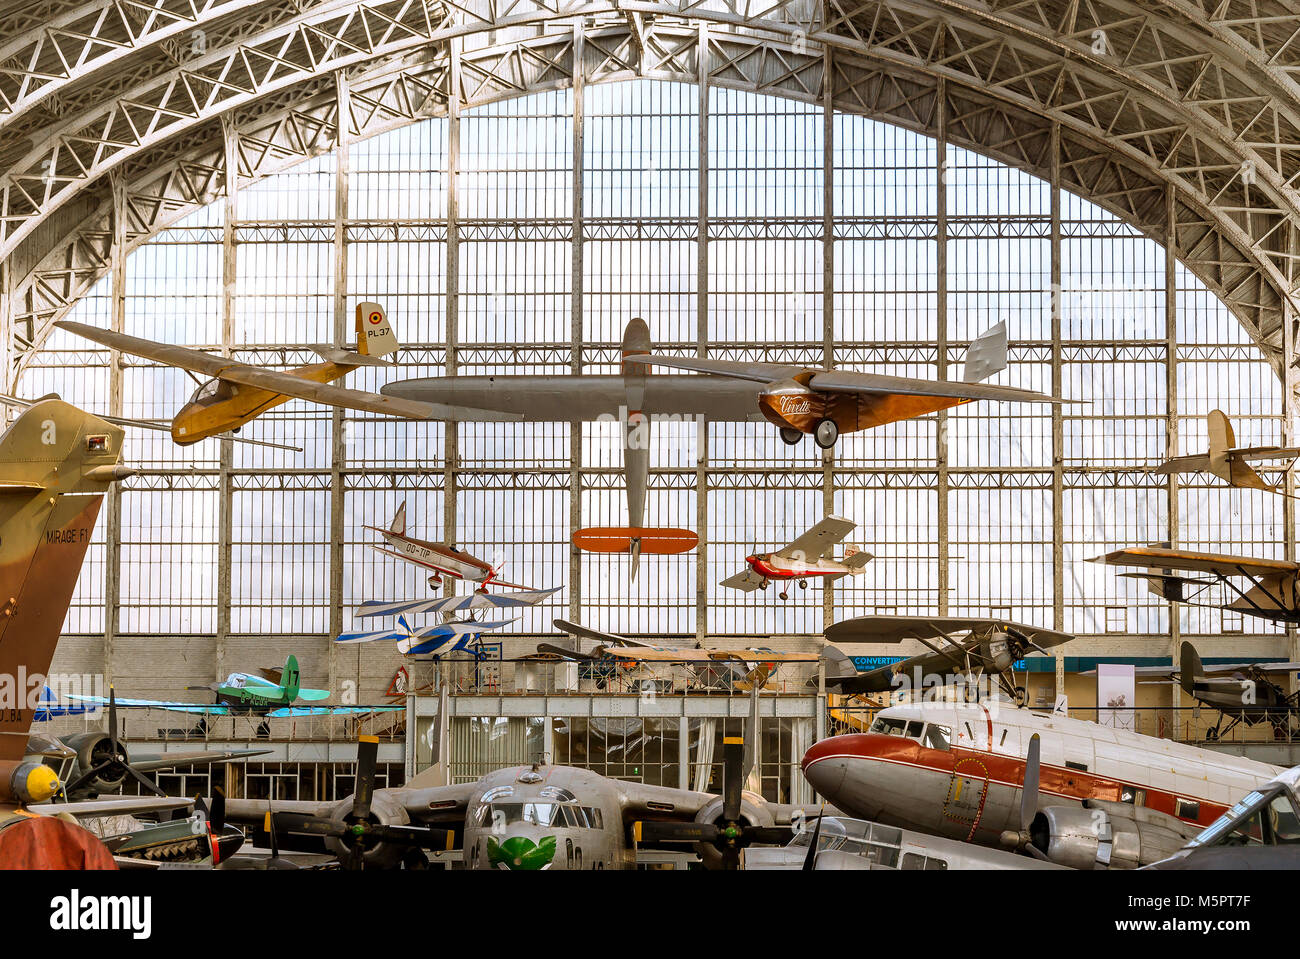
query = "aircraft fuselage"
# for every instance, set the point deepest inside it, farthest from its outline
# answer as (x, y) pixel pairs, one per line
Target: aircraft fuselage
(220, 406)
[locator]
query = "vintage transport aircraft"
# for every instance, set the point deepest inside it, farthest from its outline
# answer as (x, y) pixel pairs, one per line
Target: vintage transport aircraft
(825, 402)
(629, 397)
(1260, 831)
(1241, 692)
(1228, 461)
(808, 557)
(1271, 591)
(237, 392)
(530, 817)
(1100, 797)
(986, 647)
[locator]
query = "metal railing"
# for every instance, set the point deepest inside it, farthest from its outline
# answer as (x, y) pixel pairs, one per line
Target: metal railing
(155, 724)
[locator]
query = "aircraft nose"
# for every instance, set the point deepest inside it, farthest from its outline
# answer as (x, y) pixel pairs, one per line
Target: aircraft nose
(824, 765)
(521, 850)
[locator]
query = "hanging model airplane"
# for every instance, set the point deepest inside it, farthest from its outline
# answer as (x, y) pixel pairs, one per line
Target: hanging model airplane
(1271, 593)
(237, 393)
(272, 694)
(442, 559)
(1226, 460)
(630, 397)
(460, 602)
(1241, 692)
(808, 557)
(989, 647)
(463, 635)
(826, 402)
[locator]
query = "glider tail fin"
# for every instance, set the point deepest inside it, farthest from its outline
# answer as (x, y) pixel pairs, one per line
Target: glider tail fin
(290, 677)
(987, 355)
(374, 336)
(1222, 439)
(1189, 668)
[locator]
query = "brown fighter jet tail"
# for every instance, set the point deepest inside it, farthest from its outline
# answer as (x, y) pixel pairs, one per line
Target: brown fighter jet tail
(56, 462)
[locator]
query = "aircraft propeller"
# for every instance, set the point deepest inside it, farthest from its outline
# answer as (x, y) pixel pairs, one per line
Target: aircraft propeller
(731, 834)
(810, 860)
(357, 833)
(1028, 803)
(116, 760)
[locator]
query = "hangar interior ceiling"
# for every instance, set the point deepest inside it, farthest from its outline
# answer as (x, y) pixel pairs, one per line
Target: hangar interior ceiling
(870, 185)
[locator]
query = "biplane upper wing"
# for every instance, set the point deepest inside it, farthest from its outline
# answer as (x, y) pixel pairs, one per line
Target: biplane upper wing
(820, 540)
(276, 381)
(1221, 564)
(895, 629)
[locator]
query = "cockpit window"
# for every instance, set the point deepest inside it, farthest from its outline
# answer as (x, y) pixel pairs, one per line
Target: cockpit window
(889, 727)
(567, 815)
(1261, 818)
(914, 730)
(938, 737)
(206, 390)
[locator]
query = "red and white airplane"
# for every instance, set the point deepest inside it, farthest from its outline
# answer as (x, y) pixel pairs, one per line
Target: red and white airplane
(808, 557)
(441, 559)
(1106, 798)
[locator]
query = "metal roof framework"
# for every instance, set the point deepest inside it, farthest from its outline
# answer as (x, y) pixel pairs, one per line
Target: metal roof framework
(1181, 117)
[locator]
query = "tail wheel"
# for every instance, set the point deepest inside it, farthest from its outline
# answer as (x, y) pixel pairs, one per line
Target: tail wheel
(826, 433)
(791, 435)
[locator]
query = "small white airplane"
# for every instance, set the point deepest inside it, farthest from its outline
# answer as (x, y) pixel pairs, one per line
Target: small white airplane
(808, 557)
(442, 559)
(462, 635)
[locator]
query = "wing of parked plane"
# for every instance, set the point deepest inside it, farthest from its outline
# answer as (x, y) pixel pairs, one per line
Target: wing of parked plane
(746, 581)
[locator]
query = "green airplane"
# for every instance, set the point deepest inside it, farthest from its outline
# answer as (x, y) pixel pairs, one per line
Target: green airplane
(271, 694)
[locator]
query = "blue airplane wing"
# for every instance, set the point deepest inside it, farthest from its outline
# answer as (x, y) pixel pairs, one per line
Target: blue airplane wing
(160, 704)
(287, 711)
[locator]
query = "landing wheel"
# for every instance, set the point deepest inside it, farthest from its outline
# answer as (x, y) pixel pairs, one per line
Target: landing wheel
(764, 584)
(791, 435)
(803, 584)
(826, 433)
(784, 594)
(1022, 697)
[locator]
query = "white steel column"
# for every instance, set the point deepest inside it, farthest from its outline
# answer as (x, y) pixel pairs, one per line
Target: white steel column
(113, 498)
(1058, 419)
(1171, 398)
(342, 668)
(828, 295)
(225, 491)
(702, 336)
(576, 327)
(942, 580)
(451, 430)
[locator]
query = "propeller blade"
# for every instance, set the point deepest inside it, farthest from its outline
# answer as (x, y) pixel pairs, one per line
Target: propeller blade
(112, 720)
(810, 860)
(367, 752)
(733, 777)
(144, 780)
(217, 815)
(1029, 794)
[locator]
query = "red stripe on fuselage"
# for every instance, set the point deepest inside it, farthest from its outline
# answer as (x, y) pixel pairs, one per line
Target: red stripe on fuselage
(1003, 770)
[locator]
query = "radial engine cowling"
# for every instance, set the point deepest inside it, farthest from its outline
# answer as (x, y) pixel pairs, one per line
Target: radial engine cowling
(384, 811)
(753, 812)
(1107, 835)
(93, 748)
